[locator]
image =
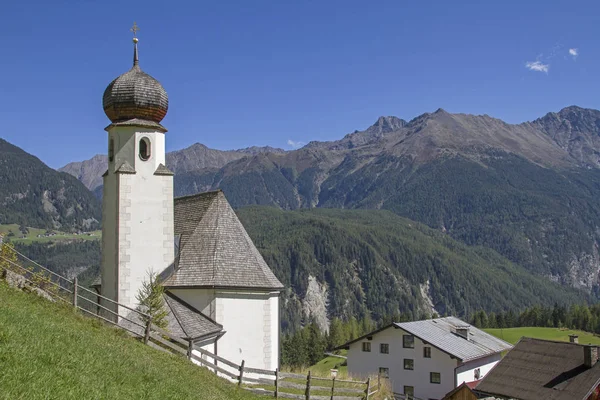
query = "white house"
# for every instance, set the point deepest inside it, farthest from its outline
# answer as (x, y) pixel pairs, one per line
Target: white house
(425, 359)
(220, 293)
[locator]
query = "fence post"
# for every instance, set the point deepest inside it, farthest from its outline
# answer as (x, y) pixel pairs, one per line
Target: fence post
(368, 388)
(241, 373)
(332, 387)
(307, 393)
(379, 381)
(75, 292)
(276, 383)
(190, 348)
(147, 331)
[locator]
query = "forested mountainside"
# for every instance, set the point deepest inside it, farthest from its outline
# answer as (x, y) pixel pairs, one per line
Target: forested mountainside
(529, 191)
(358, 263)
(33, 194)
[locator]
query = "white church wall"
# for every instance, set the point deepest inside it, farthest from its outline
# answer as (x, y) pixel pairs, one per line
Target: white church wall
(252, 328)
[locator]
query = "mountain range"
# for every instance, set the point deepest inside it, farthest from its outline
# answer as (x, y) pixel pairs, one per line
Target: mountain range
(529, 191)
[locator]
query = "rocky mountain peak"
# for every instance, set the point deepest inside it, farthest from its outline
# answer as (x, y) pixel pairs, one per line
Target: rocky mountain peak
(386, 125)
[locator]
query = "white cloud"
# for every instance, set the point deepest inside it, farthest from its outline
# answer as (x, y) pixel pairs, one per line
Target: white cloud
(574, 52)
(537, 66)
(294, 144)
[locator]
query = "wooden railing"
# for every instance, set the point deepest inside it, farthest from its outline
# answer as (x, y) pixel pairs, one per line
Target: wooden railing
(261, 381)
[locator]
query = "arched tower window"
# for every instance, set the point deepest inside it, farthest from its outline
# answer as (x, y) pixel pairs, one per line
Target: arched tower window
(111, 150)
(145, 149)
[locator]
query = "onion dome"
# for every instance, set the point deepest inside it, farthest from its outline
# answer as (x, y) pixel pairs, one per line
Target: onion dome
(135, 95)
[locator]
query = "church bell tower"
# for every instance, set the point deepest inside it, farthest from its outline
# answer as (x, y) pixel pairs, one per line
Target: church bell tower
(137, 203)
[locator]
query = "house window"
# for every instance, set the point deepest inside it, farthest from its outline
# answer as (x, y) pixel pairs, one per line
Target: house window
(409, 363)
(111, 150)
(435, 377)
(145, 149)
(384, 348)
(384, 372)
(409, 391)
(366, 346)
(426, 352)
(408, 341)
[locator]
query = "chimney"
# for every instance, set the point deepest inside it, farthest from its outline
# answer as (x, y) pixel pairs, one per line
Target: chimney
(463, 331)
(573, 338)
(590, 355)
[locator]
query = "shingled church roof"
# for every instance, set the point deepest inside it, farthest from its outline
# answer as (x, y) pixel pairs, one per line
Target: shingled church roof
(214, 249)
(186, 322)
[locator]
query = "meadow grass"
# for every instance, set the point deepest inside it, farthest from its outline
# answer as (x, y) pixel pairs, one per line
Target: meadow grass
(50, 351)
(512, 335)
(33, 232)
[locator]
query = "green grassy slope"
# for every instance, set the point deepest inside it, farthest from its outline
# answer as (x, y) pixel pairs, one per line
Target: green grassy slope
(47, 351)
(512, 335)
(32, 235)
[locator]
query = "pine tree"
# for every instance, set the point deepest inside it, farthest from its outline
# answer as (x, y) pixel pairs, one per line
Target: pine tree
(151, 301)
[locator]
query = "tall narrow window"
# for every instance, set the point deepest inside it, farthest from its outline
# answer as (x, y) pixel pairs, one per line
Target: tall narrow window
(427, 352)
(144, 148)
(111, 150)
(366, 346)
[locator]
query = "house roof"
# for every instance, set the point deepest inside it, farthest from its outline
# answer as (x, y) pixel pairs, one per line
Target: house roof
(441, 333)
(464, 386)
(542, 369)
(214, 248)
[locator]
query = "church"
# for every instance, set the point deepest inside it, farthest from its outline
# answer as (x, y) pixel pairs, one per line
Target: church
(219, 291)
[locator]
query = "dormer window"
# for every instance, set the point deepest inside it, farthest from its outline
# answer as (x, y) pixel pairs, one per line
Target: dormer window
(144, 149)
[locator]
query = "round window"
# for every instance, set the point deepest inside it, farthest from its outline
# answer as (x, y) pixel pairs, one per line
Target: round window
(145, 148)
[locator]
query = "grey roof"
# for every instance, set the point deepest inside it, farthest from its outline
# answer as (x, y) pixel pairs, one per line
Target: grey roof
(183, 321)
(162, 170)
(135, 95)
(187, 322)
(97, 282)
(214, 248)
(125, 168)
(542, 369)
(441, 333)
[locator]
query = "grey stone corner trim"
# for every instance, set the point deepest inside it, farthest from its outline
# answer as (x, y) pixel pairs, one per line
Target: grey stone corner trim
(140, 123)
(162, 170)
(125, 168)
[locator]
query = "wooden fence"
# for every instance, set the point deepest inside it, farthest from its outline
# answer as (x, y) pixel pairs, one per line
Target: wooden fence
(260, 381)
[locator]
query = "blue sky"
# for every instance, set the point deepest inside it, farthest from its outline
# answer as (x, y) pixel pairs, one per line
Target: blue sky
(243, 73)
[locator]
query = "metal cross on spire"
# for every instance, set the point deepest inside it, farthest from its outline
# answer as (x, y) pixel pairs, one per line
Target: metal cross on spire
(134, 29)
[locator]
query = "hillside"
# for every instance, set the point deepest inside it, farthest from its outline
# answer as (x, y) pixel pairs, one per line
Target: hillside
(344, 263)
(47, 351)
(512, 335)
(32, 194)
